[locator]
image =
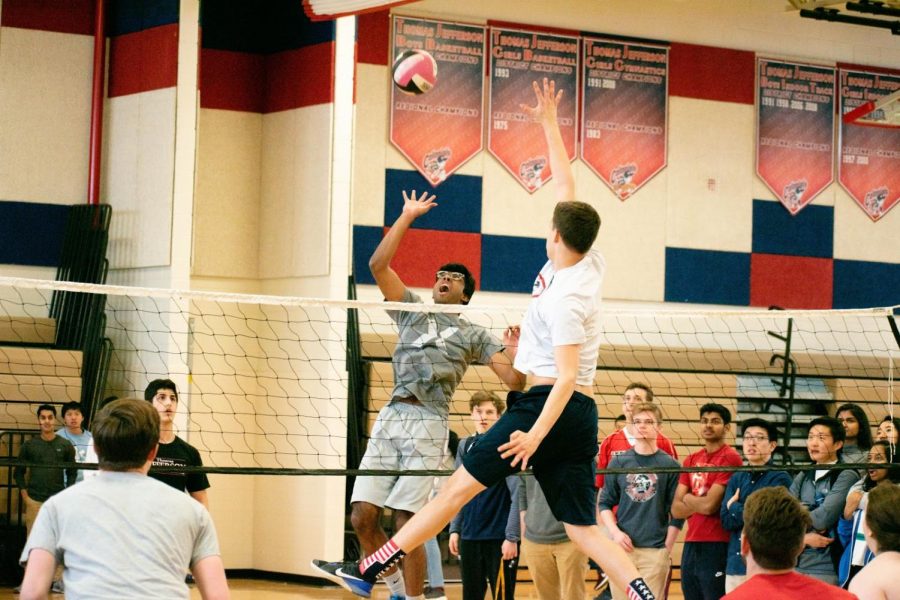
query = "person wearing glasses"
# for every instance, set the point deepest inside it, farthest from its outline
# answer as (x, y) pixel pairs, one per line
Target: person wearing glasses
(698, 499)
(823, 492)
(760, 438)
(642, 526)
(410, 432)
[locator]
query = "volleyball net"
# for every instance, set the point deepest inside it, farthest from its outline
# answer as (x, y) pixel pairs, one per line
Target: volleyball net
(287, 385)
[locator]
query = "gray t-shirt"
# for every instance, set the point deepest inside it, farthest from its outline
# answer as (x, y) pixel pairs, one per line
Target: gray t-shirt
(123, 536)
(433, 352)
(644, 499)
(541, 527)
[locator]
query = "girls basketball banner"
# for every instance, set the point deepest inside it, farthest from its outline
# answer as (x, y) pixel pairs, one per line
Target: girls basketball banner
(869, 167)
(439, 130)
(794, 130)
(624, 112)
(519, 58)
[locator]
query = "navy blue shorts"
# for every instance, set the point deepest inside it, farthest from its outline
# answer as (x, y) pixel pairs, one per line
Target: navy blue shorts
(564, 462)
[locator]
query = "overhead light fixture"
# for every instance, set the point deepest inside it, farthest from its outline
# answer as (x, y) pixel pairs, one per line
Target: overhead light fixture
(323, 10)
(836, 16)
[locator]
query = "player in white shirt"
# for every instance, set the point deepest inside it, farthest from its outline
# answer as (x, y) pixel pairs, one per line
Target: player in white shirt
(552, 427)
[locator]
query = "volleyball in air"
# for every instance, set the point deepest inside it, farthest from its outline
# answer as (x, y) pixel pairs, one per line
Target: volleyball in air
(414, 72)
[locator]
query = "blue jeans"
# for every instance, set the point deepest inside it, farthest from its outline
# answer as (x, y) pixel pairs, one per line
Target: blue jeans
(434, 563)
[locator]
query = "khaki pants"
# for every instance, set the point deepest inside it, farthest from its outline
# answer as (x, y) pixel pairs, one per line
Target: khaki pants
(558, 570)
(31, 512)
(732, 581)
(653, 565)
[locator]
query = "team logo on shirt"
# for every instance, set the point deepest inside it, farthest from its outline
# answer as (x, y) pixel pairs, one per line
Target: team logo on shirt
(539, 286)
(641, 487)
(700, 481)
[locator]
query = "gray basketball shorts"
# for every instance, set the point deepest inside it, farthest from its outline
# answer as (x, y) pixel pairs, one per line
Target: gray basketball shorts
(404, 437)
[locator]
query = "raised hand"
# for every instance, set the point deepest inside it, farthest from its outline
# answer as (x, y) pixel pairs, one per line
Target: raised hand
(416, 207)
(511, 341)
(547, 99)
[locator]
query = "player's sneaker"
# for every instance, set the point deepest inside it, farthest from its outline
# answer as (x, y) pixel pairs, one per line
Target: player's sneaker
(435, 594)
(329, 571)
(354, 581)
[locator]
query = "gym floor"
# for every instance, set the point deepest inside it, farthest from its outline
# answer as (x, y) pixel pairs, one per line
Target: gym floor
(248, 589)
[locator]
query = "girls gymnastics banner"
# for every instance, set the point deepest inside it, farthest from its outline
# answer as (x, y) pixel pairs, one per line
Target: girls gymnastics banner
(624, 114)
(794, 130)
(869, 167)
(519, 58)
(441, 129)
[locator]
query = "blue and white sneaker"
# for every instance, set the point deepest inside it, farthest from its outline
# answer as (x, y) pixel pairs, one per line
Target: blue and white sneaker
(354, 581)
(395, 597)
(329, 571)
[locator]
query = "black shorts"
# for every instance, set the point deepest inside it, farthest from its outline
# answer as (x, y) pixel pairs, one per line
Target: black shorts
(564, 462)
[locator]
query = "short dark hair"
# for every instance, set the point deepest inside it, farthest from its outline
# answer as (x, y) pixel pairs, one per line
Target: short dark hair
(125, 432)
(620, 418)
(864, 437)
(774, 524)
(640, 385)
(49, 407)
(577, 224)
(480, 397)
(837, 430)
(70, 406)
(769, 426)
(883, 516)
(722, 411)
(159, 384)
(469, 287)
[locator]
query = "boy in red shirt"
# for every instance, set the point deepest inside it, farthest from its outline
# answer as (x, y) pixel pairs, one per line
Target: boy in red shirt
(774, 526)
(623, 439)
(698, 499)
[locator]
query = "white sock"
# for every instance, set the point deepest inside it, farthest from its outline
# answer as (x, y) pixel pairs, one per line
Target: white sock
(419, 597)
(395, 583)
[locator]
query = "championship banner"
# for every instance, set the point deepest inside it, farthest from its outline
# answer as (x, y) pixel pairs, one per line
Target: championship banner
(519, 58)
(624, 112)
(794, 130)
(440, 130)
(869, 167)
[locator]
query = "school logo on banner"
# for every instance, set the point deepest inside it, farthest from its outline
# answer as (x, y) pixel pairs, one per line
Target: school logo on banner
(869, 167)
(519, 58)
(794, 130)
(625, 112)
(440, 130)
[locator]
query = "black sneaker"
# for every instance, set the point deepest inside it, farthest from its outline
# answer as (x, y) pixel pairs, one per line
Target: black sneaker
(329, 571)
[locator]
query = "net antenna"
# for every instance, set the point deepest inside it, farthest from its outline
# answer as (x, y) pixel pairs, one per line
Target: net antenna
(884, 112)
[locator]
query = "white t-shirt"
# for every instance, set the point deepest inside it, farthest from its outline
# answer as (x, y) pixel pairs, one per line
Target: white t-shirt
(564, 310)
(123, 536)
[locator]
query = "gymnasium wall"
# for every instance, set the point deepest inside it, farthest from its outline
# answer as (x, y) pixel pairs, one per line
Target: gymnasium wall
(705, 230)
(44, 108)
(264, 150)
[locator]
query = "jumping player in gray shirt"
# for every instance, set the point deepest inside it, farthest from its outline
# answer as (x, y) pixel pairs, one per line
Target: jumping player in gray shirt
(432, 355)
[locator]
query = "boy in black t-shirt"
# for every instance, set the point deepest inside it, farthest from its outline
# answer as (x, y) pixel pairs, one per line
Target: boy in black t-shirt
(174, 451)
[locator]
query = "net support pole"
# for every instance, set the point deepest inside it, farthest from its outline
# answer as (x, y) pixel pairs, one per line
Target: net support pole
(96, 135)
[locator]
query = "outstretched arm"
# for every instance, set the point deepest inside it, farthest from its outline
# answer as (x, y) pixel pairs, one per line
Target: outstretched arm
(390, 284)
(544, 112)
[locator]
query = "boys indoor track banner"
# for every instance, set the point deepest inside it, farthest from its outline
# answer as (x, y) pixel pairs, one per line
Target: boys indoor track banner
(794, 130)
